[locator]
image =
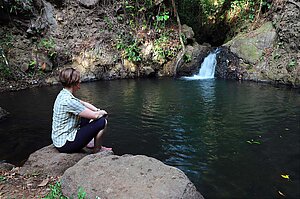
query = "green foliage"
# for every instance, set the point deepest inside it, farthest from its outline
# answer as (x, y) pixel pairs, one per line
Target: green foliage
(32, 65)
(130, 49)
(19, 7)
(291, 65)
(164, 48)
(187, 58)
(276, 56)
(6, 40)
(2, 178)
(108, 22)
(206, 17)
(146, 14)
(5, 71)
(48, 45)
(137, 11)
(81, 194)
(132, 52)
(162, 17)
(55, 192)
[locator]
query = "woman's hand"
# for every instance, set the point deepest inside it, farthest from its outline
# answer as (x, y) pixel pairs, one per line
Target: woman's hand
(101, 113)
(89, 114)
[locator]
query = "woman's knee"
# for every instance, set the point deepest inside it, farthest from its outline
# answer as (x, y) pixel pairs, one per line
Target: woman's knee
(101, 123)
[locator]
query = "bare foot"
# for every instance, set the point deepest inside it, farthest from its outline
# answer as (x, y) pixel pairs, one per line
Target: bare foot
(101, 149)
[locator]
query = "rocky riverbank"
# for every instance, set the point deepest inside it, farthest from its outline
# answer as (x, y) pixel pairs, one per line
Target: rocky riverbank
(98, 39)
(105, 175)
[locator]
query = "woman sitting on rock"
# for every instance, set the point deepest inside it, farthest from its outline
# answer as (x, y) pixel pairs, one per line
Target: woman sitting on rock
(75, 122)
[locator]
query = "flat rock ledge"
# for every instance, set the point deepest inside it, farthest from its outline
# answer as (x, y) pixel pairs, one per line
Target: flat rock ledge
(49, 161)
(126, 176)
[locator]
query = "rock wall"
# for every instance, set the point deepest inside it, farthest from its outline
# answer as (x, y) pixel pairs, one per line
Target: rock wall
(85, 35)
(269, 53)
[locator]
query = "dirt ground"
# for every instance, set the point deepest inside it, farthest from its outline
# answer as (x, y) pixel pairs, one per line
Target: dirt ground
(14, 185)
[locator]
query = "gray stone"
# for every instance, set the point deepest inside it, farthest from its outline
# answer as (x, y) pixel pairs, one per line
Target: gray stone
(188, 31)
(4, 166)
(251, 46)
(88, 3)
(126, 177)
(49, 161)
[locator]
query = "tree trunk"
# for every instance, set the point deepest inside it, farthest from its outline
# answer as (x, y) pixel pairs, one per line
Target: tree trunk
(180, 37)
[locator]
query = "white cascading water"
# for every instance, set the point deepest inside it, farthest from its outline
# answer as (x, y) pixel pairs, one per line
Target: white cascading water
(207, 69)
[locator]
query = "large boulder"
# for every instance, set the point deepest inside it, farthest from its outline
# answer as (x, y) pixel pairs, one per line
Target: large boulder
(192, 59)
(251, 46)
(49, 161)
(126, 177)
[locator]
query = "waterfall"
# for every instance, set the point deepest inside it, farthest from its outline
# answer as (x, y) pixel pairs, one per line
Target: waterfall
(207, 69)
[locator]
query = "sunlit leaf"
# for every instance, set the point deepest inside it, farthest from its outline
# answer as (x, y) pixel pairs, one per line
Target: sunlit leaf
(285, 176)
(253, 142)
(256, 142)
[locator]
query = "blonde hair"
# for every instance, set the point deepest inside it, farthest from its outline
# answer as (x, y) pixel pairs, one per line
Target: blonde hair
(69, 77)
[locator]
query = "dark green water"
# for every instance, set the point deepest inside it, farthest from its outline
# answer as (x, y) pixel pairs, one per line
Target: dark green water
(201, 127)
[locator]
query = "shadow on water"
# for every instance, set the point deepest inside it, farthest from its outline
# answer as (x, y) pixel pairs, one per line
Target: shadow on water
(233, 140)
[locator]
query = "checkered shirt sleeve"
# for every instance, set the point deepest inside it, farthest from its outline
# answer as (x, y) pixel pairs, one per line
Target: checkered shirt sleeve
(65, 120)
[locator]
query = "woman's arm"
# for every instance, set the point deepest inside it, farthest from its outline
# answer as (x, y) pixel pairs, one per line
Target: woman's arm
(89, 106)
(89, 114)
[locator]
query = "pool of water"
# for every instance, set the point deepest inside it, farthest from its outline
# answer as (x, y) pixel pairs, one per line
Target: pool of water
(232, 139)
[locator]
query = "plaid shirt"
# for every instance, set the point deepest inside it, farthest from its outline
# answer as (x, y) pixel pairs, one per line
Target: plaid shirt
(65, 120)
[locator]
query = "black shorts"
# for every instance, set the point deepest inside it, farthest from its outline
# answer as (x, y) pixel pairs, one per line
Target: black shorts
(87, 131)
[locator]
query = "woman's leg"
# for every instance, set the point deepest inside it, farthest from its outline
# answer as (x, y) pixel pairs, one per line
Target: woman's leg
(85, 134)
(98, 139)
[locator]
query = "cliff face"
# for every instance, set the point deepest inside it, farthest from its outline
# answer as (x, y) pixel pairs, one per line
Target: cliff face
(113, 40)
(268, 54)
(102, 39)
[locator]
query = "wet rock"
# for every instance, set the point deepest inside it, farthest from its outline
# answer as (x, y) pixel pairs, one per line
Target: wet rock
(3, 114)
(126, 177)
(228, 66)
(192, 59)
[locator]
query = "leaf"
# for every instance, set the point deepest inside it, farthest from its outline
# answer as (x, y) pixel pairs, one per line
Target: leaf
(285, 176)
(280, 193)
(44, 183)
(253, 142)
